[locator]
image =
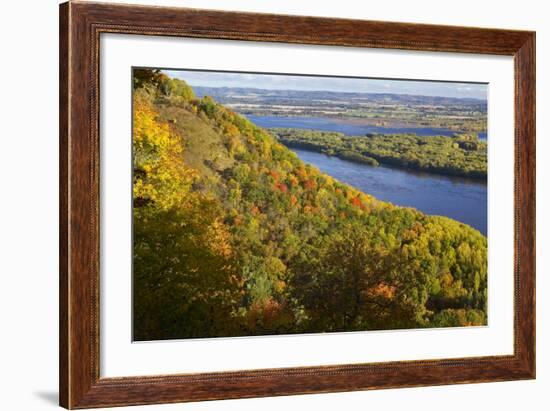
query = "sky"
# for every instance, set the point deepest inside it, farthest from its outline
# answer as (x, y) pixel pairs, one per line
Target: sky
(365, 85)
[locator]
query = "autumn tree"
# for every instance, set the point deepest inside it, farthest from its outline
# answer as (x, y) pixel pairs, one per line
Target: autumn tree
(185, 279)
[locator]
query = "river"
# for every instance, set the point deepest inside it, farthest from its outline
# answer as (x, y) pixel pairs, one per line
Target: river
(461, 199)
(348, 127)
(458, 198)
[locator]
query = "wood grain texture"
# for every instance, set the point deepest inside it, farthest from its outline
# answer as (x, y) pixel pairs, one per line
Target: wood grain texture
(525, 202)
(80, 27)
(63, 204)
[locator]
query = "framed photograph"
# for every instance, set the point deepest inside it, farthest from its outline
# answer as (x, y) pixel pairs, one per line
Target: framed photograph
(259, 205)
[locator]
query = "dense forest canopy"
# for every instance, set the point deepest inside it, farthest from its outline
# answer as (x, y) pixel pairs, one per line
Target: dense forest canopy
(235, 235)
(462, 155)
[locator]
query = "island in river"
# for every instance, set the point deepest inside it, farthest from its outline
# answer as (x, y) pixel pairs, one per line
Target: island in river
(464, 155)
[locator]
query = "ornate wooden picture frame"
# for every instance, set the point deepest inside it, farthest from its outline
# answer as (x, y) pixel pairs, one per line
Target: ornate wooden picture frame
(80, 27)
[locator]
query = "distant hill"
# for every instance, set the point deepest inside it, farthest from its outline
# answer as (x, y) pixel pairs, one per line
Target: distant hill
(450, 113)
(232, 94)
(235, 235)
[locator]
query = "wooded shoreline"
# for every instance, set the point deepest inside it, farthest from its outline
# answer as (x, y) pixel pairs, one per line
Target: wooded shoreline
(461, 156)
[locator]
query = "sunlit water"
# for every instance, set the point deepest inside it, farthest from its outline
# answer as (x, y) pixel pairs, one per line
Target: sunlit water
(461, 199)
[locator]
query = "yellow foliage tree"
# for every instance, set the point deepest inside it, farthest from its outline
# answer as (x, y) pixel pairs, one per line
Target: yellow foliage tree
(160, 176)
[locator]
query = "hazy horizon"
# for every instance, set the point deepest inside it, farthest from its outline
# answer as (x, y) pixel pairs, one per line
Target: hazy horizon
(282, 82)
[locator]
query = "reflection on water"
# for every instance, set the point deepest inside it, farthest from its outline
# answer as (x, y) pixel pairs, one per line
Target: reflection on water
(458, 198)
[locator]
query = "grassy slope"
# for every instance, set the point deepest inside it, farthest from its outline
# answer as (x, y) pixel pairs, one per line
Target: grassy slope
(201, 142)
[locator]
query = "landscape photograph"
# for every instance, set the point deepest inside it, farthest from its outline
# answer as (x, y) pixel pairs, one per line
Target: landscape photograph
(276, 204)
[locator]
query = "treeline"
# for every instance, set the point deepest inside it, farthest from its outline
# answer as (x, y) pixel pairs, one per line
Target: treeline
(463, 155)
(235, 235)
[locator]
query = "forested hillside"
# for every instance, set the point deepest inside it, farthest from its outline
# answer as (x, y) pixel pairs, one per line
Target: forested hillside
(235, 235)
